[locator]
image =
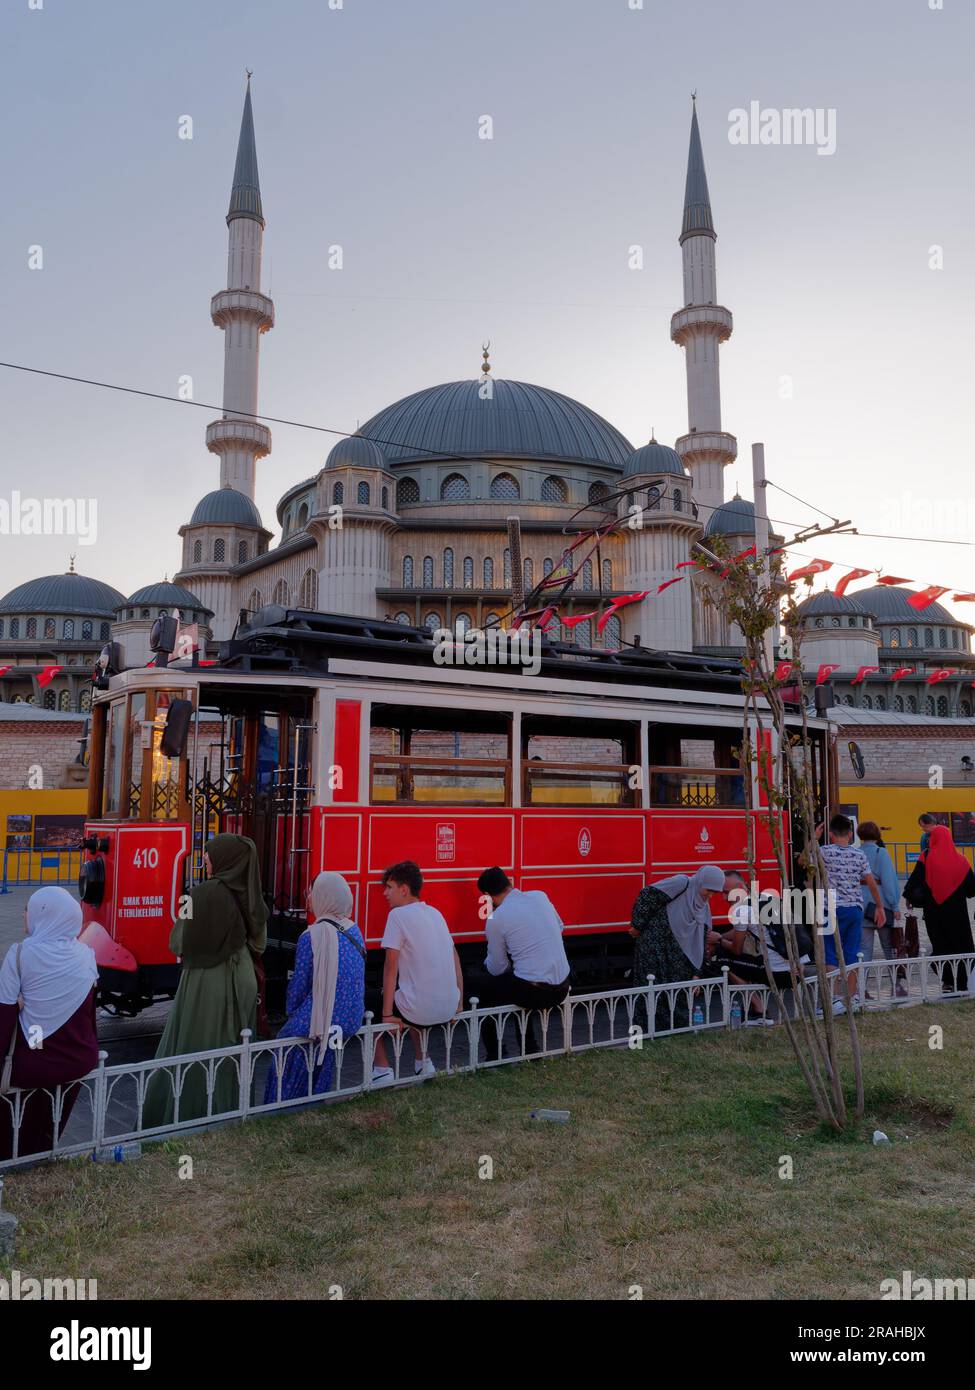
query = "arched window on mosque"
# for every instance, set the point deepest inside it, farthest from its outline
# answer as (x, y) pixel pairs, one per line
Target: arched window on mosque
(468, 572)
(407, 571)
(504, 488)
(1, 627)
(64, 700)
(819, 623)
(256, 601)
(965, 709)
(942, 637)
(84, 701)
(894, 640)
(219, 550)
(104, 632)
(488, 573)
(384, 495)
(428, 571)
(928, 637)
(308, 592)
(282, 594)
(613, 635)
(911, 704)
(144, 613)
(14, 627)
(462, 622)
(506, 566)
(653, 499)
(598, 492)
(607, 575)
(881, 702)
(242, 552)
(338, 493)
(407, 491)
(197, 552)
(303, 515)
(678, 500)
(943, 706)
(587, 577)
(529, 575)
(546, 566)
(362, 494)
(581, 634)
(403, 618)
(50, 627)
(929, 705)
(86, 630)
(68, 632)
(448, 568)
(954, 637)
(868, 702)
(553, 489)
(31, 627)
(432, 621)
(50, 698)
(912, 636)
(455, 488)
(898, 704)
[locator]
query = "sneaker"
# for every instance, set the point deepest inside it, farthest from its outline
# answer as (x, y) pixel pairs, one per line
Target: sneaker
(760, 1022)
(382, 1076)
(855, 1001)
(424, 1068)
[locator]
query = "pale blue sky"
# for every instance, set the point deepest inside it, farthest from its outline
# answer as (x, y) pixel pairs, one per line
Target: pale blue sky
(366, 122)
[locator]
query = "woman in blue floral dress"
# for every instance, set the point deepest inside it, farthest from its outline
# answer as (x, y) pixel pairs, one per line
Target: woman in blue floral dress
(326, 993)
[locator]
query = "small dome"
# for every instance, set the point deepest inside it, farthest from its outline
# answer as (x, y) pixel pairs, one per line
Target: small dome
(225, 507)
(357, 453)
(734, 518)
(63, 593)
(890, 605)
(654, 458)
(827, 602)
(166, 595)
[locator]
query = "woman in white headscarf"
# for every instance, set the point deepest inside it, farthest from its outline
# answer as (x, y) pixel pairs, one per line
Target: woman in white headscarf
(326, 993)
(672, 924)
(48, 1036)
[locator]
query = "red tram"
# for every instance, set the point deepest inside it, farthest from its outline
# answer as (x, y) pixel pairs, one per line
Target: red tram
(339, 743)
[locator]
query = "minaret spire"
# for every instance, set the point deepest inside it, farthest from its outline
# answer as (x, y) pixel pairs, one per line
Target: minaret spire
(244, 313)
(700, 327)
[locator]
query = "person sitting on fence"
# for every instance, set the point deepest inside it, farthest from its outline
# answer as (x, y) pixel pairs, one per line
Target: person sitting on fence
(422, 981)
(326, 993)
(941, 883)
(846, 870)
(672, 926)
(526, 962)
(218, 991)
(48, 1036)
(741, 949)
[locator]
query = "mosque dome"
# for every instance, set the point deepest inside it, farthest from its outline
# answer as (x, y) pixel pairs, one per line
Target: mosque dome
(225, 507)
(357, 453)
(890, 605)
(734, 518)
(63, 593)
(826, 604)
(654, 458)
(517, 420)
(166, 595)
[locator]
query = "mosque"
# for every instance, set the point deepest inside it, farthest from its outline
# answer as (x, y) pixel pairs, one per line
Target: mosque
(407, 518)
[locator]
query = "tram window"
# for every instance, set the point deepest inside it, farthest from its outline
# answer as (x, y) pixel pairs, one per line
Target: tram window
(439, 757)
(695, 768)
(114, 744)
(133, 790)
(578, 762)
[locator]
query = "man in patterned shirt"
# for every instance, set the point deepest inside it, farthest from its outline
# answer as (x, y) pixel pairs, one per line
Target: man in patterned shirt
(846, 870)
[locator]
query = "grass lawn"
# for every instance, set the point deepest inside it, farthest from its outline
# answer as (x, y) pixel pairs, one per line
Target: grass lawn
(666, 1176)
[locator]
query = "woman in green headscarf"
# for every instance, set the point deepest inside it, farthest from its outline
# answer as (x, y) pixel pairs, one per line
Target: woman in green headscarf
(217, 995)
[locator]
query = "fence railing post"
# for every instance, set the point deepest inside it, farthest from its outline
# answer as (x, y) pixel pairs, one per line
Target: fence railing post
(725, 996)
(473, 1033)
(651, 1007)
(246, 1063)
(100, 1103)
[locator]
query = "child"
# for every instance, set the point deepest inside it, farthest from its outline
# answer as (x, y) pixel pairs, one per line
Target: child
(846, 870)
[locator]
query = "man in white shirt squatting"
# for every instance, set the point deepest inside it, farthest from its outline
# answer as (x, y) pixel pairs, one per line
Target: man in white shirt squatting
(526, 962)
(422, 980)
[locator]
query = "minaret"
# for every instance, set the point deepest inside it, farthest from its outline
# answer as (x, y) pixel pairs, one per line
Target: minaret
(244, 314)
(699, 328)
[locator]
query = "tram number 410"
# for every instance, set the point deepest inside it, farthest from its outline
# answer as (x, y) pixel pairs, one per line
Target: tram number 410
(146, 859)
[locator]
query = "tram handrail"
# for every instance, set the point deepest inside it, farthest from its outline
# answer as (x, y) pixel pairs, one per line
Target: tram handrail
(630, 1016)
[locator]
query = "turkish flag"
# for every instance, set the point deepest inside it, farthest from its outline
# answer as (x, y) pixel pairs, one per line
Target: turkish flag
(928, 595)
(47, 675)
(784, 670)
(576, 619)
(618, 603)
(5, 669)
(863, 671)
(685, 564)
(814, 567)
(667, 583)
(901, 672)
(840, 589)
(744, 554)
(942, 674)
(892, 579)
(963, 598)
(825, 671)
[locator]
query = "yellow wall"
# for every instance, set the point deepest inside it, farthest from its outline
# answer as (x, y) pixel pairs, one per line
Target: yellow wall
(72, 801)
(896, 809)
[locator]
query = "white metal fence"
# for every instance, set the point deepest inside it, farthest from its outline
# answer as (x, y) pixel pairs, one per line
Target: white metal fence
(109, 1103)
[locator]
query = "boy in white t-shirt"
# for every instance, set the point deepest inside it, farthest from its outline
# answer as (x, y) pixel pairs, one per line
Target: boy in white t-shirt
(422, 979)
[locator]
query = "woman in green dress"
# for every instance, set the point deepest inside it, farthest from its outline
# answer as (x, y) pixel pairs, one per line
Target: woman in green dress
(217, 995)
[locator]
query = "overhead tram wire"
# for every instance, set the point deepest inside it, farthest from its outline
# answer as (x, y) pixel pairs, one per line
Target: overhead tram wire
(415, 448)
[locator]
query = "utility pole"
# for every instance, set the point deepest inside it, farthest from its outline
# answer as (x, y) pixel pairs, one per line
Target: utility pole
(762, 535)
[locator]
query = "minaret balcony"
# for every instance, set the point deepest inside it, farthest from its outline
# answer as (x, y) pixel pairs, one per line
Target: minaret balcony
(231, 435)
(701, 318)
(706, 445)
(229, 305)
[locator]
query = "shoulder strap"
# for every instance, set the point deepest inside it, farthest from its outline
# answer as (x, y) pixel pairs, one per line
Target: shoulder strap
(344, 931)
(20, 979)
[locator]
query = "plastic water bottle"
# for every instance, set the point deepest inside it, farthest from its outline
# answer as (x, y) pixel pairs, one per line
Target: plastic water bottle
(558, 1117)
(737, 1016)
(697, 1017)
(118, 1153)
